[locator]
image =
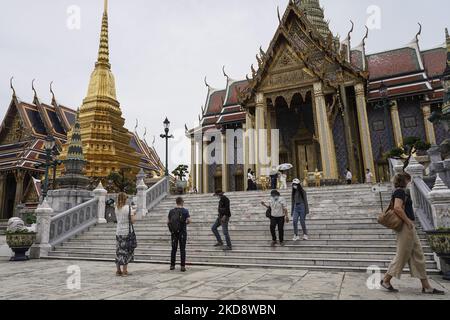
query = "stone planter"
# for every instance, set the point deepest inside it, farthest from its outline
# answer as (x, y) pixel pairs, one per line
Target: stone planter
(439, 241)
(20, 243)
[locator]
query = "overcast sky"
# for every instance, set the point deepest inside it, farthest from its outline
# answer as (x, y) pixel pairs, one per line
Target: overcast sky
(161, 50)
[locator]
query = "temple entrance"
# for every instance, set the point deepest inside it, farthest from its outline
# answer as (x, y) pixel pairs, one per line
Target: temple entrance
(298, 143)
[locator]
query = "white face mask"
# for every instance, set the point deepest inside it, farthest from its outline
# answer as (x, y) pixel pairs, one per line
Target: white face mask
(275, 198)
(295, 187)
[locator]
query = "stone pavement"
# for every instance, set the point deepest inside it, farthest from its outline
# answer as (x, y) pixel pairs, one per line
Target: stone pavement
(47, 280)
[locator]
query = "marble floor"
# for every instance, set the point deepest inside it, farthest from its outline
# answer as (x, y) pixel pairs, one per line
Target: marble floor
(59, 279)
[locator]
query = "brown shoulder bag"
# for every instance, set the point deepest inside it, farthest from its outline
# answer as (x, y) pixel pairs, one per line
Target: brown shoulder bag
(390, 219)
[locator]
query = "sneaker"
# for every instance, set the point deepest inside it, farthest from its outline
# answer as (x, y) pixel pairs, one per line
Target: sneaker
(273, 244)
(218, 244)
(296, 238)
(172, 268)
(282, 244)
(305, 237)
(226, 248)
(183, 269)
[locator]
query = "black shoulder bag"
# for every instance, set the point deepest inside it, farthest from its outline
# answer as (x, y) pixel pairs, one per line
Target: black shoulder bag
(131, 240)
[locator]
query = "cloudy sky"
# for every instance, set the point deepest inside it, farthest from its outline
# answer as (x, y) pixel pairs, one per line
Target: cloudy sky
(161, 50)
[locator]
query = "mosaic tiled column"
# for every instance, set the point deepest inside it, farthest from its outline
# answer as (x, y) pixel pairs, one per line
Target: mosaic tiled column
(193, 162)
(429, 127)
(19, 175)
(205, 177)
(2, 196)
(364, 131)
(327, 149)
(396, 125)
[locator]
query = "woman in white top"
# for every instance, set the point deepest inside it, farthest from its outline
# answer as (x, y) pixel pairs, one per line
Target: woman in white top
(349, 176)
(283, 181)
(123, 254)
(369, 176)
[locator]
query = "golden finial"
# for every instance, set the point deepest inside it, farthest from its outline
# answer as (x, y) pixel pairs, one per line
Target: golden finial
(51, 91)
(32, 88)
(419, 33)
(224, 73)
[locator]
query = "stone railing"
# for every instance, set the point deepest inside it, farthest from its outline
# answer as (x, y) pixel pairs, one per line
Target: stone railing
(431, 206)
(70, 223)
(148, 198)
(53, 230)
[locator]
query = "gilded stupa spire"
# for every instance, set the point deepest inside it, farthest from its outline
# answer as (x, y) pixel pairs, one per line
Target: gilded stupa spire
(102, 84)
(103, 51)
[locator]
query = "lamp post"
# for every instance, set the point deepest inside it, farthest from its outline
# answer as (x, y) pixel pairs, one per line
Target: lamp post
(385, 105)
(167, 137)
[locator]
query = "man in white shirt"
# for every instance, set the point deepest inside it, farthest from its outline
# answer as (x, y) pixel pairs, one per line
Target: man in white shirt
(349, 176)
(369, 176)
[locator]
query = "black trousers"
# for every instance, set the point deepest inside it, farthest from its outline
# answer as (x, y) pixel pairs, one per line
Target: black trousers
(274, 222)
(181, 239)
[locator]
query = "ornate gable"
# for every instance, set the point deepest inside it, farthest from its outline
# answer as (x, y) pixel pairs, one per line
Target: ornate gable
(13, 127)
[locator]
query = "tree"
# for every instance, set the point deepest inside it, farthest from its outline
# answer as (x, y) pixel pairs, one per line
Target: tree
(121, 182)
(410, 146)
(181, 171)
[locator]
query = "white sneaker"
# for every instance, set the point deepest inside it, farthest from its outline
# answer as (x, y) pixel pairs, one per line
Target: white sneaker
(296, 238)
(305, 237)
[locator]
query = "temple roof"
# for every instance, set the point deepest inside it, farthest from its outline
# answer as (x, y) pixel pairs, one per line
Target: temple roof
(28, 150)
(392, 63)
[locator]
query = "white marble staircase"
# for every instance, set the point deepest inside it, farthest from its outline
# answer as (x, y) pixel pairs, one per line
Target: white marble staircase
(344, 234)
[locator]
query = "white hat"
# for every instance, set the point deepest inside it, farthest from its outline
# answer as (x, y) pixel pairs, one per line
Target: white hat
(296, 181)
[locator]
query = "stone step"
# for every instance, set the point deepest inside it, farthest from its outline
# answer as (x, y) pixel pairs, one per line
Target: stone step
(246, 237)
(241, 265)
(231, 257)
(269, 251)
(256, 247)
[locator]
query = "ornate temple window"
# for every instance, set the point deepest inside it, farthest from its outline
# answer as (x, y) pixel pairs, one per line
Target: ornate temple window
(410, 122)
(378, 125)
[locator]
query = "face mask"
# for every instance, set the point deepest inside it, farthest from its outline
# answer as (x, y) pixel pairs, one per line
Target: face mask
(295, 187)
(276, 198)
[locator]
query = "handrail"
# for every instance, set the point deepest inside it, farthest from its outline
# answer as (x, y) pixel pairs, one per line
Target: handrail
(73, 221)
(424, 210)
(156, 193)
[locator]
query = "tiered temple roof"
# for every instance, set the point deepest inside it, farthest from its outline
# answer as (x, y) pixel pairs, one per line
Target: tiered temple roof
(406, 71)
(26, 125)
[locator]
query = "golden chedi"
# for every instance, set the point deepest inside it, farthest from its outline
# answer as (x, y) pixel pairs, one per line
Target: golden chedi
(106, 142)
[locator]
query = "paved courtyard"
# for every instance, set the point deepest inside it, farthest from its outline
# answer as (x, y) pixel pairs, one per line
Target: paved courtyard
(47, 280)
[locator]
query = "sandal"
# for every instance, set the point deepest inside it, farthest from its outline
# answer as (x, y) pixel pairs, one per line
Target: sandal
(389, 288)
(118, 273)
(126, 274)
(434, 291)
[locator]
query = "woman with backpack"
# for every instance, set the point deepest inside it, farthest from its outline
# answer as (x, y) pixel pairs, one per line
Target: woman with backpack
(126, 217)
(409, 248)
(300, 209)
(278, 214)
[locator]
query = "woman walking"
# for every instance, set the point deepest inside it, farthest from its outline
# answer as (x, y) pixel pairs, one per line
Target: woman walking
(300, 209)
(278, 216)
(125, 217)
(409, 248)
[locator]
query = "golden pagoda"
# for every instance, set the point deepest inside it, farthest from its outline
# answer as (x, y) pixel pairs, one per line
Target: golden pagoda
(106, 142)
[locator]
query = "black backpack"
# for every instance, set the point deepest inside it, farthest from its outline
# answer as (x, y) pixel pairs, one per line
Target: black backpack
(176, 222)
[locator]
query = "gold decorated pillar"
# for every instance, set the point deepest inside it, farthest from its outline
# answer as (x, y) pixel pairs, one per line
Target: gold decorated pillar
(248, 150)
(327, 149)
(259, 137)
(194, 163)
(204, 167)
(223, 142)
(429, 127)
(364, 131)
(3, 214)
(396, 125)
(19, 175)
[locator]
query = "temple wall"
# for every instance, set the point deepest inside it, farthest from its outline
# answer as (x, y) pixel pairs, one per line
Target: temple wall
(439, 129)
(411, 119)
(379, 133)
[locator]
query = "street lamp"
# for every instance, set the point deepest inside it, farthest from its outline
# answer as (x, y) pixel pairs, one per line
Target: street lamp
(49, 145)
(167, 137)
(385, 105)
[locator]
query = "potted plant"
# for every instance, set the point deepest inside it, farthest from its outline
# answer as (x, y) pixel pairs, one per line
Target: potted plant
(20, 241)
(181, 172)
(411, 145)
(439, 241)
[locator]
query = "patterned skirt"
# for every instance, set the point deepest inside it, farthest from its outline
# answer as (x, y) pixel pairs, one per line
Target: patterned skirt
(123, 256)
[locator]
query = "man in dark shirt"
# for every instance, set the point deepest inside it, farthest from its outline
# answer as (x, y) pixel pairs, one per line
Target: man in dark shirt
(181, 218)
(222, 220)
